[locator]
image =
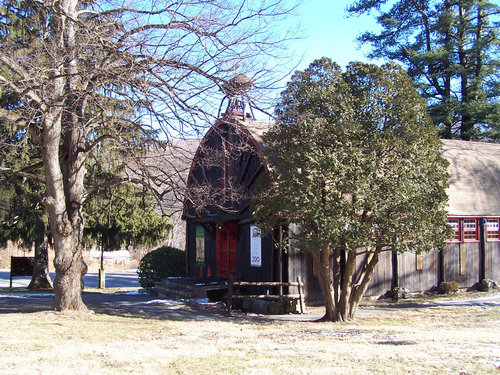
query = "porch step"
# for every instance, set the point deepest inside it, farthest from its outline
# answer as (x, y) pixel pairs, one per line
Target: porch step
(174, 290)
(187, 287)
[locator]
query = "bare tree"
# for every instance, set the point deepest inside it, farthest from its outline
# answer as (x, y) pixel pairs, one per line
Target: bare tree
(119, 72)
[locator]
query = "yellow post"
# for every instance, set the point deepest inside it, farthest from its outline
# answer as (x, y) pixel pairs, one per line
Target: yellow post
(102, 279)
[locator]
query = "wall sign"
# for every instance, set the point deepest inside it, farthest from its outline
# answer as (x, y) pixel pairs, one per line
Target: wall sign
(200, 246)
(255, 247)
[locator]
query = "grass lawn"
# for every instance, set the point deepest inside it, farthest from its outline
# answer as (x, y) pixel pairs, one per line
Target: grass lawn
(431, 340)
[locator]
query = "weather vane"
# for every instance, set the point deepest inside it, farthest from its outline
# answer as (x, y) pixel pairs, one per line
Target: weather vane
(236, 92)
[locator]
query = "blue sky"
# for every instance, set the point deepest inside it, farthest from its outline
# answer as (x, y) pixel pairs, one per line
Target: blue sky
(328, 32)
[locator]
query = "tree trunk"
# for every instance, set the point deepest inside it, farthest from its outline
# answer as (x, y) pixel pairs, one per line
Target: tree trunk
(66, 231)
(321, 261)
(450, 113)
(337, 275)
(347, 283)
(467, 123)
(41, 277)
(70, 268)
(362, 282)
(64, 159)
(65, 223)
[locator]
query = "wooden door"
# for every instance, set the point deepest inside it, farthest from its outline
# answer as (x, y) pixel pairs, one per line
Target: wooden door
(226, 250)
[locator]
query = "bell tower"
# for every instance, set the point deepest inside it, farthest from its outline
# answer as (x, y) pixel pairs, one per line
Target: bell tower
(239, 102)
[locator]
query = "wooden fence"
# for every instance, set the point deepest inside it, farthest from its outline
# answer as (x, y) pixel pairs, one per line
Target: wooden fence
(232, 295)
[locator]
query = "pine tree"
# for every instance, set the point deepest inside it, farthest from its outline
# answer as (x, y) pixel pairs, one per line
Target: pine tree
(451, 50)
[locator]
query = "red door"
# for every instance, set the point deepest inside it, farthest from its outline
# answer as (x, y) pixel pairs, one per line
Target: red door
(226, 250)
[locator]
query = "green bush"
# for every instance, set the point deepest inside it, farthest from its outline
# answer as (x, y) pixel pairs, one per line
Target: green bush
(160, 264)
(447, 287)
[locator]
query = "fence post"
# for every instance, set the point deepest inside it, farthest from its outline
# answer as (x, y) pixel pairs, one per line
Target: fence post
(230, 294)
(301, 296)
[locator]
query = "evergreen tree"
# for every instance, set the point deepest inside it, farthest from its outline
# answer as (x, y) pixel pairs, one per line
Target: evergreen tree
(451, 50)
(22, 217)
(122, 215)
(355, 162)
(24, 220)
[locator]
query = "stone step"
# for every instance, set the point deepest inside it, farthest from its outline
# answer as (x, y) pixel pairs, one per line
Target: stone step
(175, 290)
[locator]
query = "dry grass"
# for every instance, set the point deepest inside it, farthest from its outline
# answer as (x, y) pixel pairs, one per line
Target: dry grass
(432, 340)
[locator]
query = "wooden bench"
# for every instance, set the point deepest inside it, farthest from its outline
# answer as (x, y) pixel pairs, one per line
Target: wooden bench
(232, 295)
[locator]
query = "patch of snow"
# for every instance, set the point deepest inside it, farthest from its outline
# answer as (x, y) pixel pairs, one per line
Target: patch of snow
(485, 301)
(27, 295)
(166, 302)
(130, 293)
(202, 301)
(437, 362)
(494, 361)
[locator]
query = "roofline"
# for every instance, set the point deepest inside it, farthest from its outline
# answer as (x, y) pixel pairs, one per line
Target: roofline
(219, 123)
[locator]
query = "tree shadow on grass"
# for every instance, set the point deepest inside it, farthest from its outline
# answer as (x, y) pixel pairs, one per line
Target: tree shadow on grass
(127, 306)
(21, 305)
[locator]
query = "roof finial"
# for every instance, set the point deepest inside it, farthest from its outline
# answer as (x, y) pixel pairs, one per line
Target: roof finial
(235, 91)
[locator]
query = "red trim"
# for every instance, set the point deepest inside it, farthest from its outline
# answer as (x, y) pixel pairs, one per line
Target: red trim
(474, 217)
(470, 231)
(458, 231)
(462, 230)
(497, 237)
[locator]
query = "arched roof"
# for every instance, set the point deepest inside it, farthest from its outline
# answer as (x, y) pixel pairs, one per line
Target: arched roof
(474, 184)
(247, 130)
(254, 129)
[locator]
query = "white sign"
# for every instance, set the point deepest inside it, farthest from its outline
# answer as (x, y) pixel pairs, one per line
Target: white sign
(255, 247)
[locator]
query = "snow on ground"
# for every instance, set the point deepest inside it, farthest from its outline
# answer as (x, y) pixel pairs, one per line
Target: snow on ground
(27, 295)
(130, 293)
(166, 302)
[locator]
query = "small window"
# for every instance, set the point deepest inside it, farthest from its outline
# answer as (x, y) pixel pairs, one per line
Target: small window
(420, 262)
(492, 229)
(455, 225)
(470, 229)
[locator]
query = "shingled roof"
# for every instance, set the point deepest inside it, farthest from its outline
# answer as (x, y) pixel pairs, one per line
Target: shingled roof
(474, 178)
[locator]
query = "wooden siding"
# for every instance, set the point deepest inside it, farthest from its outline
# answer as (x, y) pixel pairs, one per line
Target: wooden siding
(301, 264)
(247, 272)
(298, 263)
(492, 262)
(382, 275)
(461, 263)
(418, 278)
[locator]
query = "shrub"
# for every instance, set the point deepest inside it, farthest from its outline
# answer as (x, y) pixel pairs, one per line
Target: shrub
(160, 264)
(448, 287)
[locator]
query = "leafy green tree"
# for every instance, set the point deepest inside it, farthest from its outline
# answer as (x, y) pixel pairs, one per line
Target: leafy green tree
(164, 61)
(355, 162)
(451, 50)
